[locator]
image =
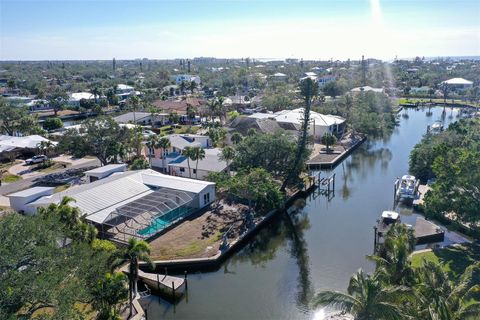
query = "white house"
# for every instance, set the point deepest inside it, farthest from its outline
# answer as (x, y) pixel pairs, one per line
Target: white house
(211, 163)
(366, 89)
(123, 92)
(11, 143)
(127, 204)
(74, 99)
(105, 171)
(319, 123)
(457, 84)
(279, 77)
(143, 118)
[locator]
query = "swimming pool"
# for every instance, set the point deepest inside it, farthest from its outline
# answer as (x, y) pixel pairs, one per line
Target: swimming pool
(165, 220)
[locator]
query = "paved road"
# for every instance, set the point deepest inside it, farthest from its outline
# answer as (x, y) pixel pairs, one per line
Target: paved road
(28, 182)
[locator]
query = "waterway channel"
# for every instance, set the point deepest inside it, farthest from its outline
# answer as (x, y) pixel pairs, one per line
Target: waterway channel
(277, 273)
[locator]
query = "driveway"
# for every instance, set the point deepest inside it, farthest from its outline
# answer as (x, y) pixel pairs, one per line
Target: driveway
(27, 182)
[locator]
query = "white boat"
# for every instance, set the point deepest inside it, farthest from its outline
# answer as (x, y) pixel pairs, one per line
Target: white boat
(406, 188)
(437, 127)
(387, 219)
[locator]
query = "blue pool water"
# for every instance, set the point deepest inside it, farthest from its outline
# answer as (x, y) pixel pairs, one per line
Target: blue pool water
(165, 220)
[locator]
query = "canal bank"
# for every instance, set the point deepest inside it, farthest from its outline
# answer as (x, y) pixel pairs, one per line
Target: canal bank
(278, 271)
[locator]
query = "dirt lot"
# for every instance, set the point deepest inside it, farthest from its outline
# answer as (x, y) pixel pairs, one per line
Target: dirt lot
(201, 236)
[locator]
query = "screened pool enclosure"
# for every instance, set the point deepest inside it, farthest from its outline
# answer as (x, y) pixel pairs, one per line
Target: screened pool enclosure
(148, 215)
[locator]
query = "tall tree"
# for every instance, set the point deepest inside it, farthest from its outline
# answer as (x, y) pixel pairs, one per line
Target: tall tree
(57, 100)
(236, 138)
(135, 252)
(308, 91)
(197, 154)
(227, 154)
(152, 144)
(164, 144)
(188, 153)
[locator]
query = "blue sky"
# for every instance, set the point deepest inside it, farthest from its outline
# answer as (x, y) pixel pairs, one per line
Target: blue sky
(310, 29)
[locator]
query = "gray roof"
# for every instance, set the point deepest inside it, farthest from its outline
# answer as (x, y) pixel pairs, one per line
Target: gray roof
(98, 199)
(211, 163)
(265, 125)
(180, 142)
(30, 191)
(128, 117)
(107, 168)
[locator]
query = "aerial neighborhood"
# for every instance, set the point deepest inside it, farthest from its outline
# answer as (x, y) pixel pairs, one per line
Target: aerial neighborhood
(186, 162)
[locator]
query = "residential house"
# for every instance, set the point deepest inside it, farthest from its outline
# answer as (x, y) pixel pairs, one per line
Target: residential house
(126, 204)
(457, 84)
(323, 80)
(160, 159)
(143, 118)
(179, 78)
(320, 124)
(211, 163)
(74, 99)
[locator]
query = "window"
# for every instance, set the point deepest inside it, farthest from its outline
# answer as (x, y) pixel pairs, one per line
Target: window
(194, 171)
(182, 169)
(206, 198)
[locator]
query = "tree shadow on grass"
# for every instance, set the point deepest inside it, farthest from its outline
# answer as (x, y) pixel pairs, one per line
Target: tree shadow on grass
(458, 258)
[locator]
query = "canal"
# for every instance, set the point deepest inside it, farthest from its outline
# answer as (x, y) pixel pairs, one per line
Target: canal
(323, 244)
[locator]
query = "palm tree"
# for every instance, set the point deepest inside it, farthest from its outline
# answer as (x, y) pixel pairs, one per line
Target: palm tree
(152, 144)
(236, 138)
(213, 109)
(46, 146)
(439, 298)
(198, 153)
(134, 102)
(308, 91)
(136, 251)
(192, 86)
(328, 139)
(188, 153)
(393, 259)
(183, 85)
(367, 299)
(164, 144)
(227, 154)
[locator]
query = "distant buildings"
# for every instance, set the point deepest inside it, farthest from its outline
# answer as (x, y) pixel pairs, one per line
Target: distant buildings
(179, 78)
(143, 118)
(366, 89)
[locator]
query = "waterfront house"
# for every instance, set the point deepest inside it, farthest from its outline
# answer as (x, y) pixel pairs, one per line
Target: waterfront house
(179, 78)
(74, 99)
(457, 84)
(143, 118)
(320, 124)
(126, 204)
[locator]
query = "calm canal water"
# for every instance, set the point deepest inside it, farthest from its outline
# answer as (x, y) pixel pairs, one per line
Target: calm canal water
(277, 273)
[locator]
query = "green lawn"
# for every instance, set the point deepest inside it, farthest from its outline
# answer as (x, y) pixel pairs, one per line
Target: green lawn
(454, 259)
(9, 178)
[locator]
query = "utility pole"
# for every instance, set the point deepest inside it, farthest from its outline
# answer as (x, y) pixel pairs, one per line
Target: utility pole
(364, 73)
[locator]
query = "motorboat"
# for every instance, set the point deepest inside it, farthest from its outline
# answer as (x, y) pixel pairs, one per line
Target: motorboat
(387, 219)
(436, 127)
(406, 188)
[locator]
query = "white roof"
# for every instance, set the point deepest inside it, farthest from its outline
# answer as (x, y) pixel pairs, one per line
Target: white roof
(279, 74)
(296, 117)
(107, 168)
(367, 88)
(98, 199)
(310, 74)
(124, 87)
(457, 81)
(77, 96)
(156, 179)
(30, 192)
(390, 214)
(211, 162)
(408, 177)
(10, 142)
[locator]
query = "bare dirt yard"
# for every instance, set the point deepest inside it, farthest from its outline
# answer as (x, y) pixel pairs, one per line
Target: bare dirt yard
(200, 236)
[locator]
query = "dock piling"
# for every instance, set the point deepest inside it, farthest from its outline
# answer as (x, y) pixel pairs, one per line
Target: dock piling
(173, 289)
(186, 280)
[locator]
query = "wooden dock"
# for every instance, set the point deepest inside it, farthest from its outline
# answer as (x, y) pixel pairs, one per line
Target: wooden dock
(329, 160)
(422, 190)
(167, 286)
(427, 232)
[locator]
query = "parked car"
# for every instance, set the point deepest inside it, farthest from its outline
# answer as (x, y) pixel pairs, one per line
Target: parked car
(36, 159)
